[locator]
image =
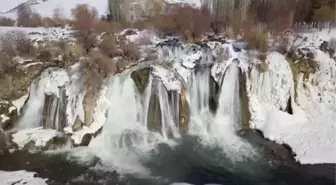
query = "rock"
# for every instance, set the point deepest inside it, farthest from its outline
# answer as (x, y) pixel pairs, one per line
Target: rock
(214, 94)
(89, 104)
(184, 112)
(86, 140)
(15, 83)
(8, 115)
(78, 125)
(271, 150)
(39, 139)
(140, 78)
(324, 46)
(54, 111)
(3, 142)
(154, 123)
(244, 101)
(263, 67)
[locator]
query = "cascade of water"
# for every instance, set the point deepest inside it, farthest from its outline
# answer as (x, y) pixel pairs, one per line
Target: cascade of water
(122, 127)
(32, 112)
(54, 111)
(228, 112)
(169, 112)
(198, 98)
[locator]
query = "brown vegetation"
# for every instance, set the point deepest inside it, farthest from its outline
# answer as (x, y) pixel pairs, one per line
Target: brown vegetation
(186, 21)
(84, 18)
(16, 43)
(6, 21)
(96, 67)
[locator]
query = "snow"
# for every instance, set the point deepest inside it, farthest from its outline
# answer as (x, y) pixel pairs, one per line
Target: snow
(167, 77)
(99, 119)
(75, 93)
(40, 33)
(310, 131)
(19, 103)
(20, 178)
(39, 136)
(55, 80)
(4, 118)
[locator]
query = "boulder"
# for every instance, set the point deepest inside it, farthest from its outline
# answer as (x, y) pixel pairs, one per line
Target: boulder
(89, 104)
(154, 122)
(141, 78)
(15, 83)
(8, 115)
(184, 112)
(54, 111)
(38, 139)
(244, 101)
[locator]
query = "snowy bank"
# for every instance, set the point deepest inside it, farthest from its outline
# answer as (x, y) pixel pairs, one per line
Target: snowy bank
(20, 178)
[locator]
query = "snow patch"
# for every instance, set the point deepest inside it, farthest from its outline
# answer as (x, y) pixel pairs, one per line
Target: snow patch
(20, 178)
(4, 118)
(39, 136)
(167, 77)
(19, 103)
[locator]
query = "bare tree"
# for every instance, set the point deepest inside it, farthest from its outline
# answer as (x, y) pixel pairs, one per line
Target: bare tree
(83, 25)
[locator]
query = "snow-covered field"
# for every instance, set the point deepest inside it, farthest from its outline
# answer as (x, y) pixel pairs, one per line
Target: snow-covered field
(311, 130)
(20, 178)
(37, 34)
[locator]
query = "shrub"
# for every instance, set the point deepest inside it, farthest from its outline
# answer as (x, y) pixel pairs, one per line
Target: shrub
(6, 21)
(130, 51)
(83, 26)
(324, 14)
(108, 46)
(102, 26)
(16, 43)
(96, 67)
(6, 62)
(256, 38)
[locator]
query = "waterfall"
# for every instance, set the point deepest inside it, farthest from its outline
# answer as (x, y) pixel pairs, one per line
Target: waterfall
(46, 97)
(32, 111)
(198, 98)
(122, 128)
(54, 114)
(228, 111)
(169, 112)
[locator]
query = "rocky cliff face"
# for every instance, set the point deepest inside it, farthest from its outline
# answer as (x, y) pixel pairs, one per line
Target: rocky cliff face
(160, 98)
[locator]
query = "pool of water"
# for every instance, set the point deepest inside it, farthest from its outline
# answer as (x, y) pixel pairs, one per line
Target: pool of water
(188, 161)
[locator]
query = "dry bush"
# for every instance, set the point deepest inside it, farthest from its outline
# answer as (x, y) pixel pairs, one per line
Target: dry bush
(16, 43)
(186, 21)
(256, 38)
(84, 18)
(6, 21)
(102, 26)
(324, 14)
(96, 68)
(6, 62)
(130, 51)
(108, 46)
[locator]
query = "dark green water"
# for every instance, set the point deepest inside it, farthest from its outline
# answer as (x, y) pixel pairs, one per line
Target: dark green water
(189, 161)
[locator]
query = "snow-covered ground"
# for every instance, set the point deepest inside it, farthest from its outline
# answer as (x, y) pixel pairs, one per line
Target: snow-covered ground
(20, 178)
(311, 130)
(37, 34)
